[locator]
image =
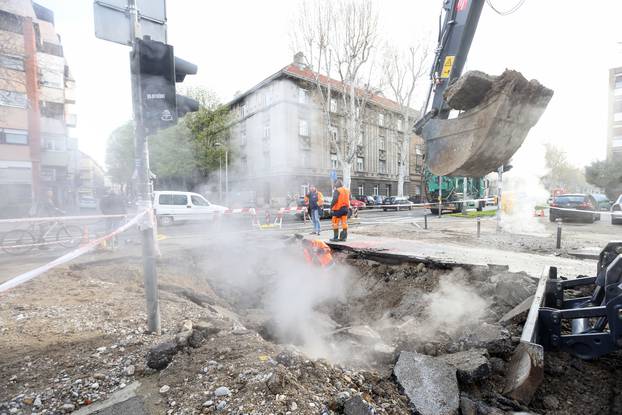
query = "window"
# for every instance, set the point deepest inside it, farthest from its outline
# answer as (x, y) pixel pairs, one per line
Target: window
(361, 190)
(382, 143)
(199, 201)
(333, 135)
(266, 160)
(179, 200)
(10, 22)
(388, 190)
(303, 96)
(333, 105)
(617, 117)
(242, 111)
(54, 143)
(303, 128)
(334, 162)
(52, 110)
(381, 120)
(376, 190)
(359, 164)
(14, 137)
(305, 189)
(382, 166)
(13, 99)
(399, 124)
(12, 62)
(616, 142)
(418, 150)
(266, 131)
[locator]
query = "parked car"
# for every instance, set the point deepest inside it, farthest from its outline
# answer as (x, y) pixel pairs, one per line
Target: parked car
(368, 200)
(397, 203)
(616, 212)
(417, 199)
(603, 202)
(358, 204)
(573, 207)
(87, 203)
(379, 199)
(173, 206)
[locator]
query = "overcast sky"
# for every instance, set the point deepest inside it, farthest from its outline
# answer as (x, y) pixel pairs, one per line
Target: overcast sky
(567, 45)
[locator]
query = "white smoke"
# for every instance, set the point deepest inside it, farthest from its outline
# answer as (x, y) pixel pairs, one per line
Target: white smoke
(523, 190)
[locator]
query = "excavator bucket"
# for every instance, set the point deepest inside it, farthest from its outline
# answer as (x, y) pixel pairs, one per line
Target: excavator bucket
(498, 114)
(526, 369)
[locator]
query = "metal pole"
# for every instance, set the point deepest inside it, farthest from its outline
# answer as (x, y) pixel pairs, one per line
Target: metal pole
(440, 196)
(227, 177)
(143, 188)
(425, 221)
(499, 194)
(479, 226)
(464, 195)
(220, 179)
(558, 243)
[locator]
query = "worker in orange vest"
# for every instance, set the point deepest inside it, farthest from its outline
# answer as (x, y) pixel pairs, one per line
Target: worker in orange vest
(317, 252)
(339, 211)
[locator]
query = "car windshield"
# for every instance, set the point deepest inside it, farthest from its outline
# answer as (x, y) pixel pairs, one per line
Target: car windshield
(570, 199)
(600, 198)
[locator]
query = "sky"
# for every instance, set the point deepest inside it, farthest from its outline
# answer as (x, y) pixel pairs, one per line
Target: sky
(567, 45)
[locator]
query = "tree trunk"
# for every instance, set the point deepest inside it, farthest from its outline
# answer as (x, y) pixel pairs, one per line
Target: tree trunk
(347, 174)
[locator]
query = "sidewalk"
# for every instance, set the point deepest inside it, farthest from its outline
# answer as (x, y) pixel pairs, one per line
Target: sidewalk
(452, 253)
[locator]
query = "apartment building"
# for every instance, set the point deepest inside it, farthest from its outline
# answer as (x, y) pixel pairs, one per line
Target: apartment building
(614, 125)
(92, 178)
(281, 145)
(37, 99)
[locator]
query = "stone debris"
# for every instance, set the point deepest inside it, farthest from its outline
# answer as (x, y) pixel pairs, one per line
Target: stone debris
(471, 365)
(164, 389)
(357, 406)
(161, 355)
(429, 383)
(518, 314)
(492, 337)
(469, 90)
(222, 391)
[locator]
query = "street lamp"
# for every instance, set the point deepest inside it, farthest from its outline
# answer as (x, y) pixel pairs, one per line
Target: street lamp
(226, 174)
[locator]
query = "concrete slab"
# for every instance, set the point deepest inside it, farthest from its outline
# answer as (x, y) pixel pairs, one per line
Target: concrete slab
(123, 402)
(461, 255)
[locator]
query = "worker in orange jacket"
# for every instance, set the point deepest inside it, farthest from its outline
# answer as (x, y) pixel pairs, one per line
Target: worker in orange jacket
(316, 252)
(339, 211)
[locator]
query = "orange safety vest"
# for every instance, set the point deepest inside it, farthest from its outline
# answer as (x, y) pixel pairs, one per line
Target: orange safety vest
(343, 200)
(318, 253)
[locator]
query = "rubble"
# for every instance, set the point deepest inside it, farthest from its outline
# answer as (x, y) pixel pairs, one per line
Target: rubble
(469, 90)
(471, 365)
(162, 354)
(492, 337)
(429, 383)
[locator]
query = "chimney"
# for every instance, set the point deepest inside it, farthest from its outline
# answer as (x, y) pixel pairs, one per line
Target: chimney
(299, 60)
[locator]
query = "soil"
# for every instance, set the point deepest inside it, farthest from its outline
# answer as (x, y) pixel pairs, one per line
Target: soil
(76, 335)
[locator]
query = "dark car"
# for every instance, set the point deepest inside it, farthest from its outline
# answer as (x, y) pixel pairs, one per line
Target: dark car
(603, 202)
(616, 212)
(579, 207)
(397, 203)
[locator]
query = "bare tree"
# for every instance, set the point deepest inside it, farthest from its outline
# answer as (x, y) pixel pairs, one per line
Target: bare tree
(401, 72)
(338, 39)
(12, 77)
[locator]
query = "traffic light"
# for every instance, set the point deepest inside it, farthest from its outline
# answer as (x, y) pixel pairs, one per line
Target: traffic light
(156, 70)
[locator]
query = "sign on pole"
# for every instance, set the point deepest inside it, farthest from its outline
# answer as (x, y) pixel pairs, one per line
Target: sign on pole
(112, 20)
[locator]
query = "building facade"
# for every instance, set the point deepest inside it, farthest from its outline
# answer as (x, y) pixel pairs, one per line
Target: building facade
(92, 178)
(281, 143)
(37, 99)
(614, 125)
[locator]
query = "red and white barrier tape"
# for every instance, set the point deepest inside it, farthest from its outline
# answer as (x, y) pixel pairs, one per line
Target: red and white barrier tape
(29, 275)
(60, 218)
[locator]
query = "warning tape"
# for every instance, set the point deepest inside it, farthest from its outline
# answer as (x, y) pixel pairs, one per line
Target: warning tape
(29, 275)
(61, 218)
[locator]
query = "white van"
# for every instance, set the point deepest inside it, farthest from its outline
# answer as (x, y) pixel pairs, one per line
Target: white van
(172, 206)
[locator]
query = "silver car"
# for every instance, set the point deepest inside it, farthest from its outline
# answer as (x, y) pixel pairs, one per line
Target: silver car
(616, 212)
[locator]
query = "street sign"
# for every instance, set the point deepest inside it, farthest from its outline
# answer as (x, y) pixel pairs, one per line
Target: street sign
(112, 20)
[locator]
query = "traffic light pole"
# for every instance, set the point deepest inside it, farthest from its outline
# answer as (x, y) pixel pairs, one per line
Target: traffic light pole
(144, 202)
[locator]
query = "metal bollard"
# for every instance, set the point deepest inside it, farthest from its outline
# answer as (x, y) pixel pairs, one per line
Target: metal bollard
(479, 226)
(425, 221)
(558, 244)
